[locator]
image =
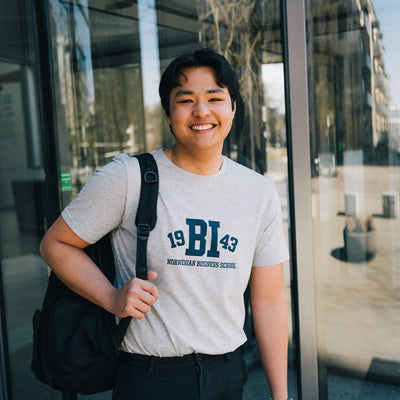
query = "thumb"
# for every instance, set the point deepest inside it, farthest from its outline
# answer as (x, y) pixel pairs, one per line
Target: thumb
(151, 275)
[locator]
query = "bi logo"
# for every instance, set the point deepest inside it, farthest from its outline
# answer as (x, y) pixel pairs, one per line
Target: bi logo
(199, 233)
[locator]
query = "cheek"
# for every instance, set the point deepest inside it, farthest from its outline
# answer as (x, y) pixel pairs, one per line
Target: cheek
(229, 117)
(177, 116)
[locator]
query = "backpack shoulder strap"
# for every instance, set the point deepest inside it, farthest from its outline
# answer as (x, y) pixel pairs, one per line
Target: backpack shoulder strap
(146, 215)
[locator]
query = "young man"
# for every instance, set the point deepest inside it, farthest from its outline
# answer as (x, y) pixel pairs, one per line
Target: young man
(218, 227)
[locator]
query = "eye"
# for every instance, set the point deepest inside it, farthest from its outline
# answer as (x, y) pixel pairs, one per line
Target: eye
(183, 101)
(214, 99)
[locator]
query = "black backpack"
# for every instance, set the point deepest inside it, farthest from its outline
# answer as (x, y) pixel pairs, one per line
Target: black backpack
(75, 342)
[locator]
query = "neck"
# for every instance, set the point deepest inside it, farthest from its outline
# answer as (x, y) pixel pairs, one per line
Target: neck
(197, 163)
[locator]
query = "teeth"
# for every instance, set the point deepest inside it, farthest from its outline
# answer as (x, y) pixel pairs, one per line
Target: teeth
(202, 127)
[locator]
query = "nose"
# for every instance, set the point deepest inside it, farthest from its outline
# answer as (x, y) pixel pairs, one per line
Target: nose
(200, 109)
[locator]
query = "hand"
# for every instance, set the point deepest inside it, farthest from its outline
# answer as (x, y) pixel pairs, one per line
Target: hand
(136, 297)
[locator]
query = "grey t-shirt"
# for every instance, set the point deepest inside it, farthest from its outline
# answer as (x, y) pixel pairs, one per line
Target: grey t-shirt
(210, 231)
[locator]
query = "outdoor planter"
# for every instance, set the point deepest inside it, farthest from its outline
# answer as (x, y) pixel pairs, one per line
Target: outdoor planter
(359, 239)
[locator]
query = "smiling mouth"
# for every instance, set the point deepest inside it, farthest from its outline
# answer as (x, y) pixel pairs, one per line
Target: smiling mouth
(202, 127)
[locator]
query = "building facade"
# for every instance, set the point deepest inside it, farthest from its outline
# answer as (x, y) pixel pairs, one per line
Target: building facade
(318, 115)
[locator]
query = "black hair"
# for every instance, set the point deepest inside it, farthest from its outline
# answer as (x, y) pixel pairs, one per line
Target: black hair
(225, 75)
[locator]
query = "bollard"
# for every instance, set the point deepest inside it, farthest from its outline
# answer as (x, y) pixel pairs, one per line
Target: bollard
(390, 201)
(352, 203)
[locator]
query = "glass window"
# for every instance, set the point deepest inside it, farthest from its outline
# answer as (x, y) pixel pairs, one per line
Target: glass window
(23, 273)
(354, 97)
(107, 60)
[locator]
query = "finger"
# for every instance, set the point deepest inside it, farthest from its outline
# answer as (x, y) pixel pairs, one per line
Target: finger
(148, 298)
(151, 275)
(135, 285)
(143, 308)
(150, 288)
(139, 309)
(135, 313)
(141, 291)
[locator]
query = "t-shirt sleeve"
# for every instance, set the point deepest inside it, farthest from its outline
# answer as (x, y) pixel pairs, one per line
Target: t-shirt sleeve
(99, 206)
(271, 246)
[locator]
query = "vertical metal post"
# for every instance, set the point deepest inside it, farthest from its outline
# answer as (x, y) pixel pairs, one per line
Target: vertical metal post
(300, 193)
(47, 104)
(5, 371)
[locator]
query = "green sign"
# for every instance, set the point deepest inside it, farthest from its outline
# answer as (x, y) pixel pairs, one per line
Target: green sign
(66, 182)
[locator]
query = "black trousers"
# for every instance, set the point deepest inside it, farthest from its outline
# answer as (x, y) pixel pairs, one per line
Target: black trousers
(191, 377)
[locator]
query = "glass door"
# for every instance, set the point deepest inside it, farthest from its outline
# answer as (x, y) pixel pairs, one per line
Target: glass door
(107, 60)
(23, 274)
(354, 97)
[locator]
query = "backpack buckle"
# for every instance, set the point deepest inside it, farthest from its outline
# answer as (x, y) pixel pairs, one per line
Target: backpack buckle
(150, 177)
(143, 231)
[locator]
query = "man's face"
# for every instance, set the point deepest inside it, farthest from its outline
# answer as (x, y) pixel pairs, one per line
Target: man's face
(201, 112)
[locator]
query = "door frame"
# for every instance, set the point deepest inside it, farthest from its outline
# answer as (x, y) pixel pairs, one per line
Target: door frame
(300, 195)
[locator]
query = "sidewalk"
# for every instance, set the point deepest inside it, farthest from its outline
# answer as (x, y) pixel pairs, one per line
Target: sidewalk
(358, 304)
(339, 388)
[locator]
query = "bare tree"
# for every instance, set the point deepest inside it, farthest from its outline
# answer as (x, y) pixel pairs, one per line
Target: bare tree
(247, 33)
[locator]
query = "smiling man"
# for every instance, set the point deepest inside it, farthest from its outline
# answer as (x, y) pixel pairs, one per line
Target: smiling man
(200, 115)
(219, 227)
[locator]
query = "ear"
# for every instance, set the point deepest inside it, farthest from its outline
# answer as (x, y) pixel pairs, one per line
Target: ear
(234, 108)
(168, 119)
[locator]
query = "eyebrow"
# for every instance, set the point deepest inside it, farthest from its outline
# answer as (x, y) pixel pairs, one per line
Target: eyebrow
(190, 92)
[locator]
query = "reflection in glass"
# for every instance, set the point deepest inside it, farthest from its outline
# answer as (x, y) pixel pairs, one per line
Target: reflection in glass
(23, 272)
(356, 181)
